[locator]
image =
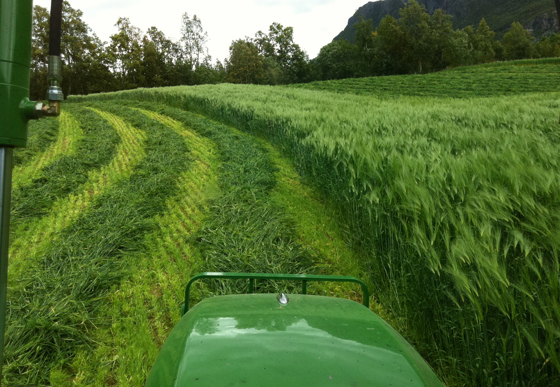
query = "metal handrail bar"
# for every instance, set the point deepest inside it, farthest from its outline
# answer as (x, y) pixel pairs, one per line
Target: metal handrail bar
(252, 277)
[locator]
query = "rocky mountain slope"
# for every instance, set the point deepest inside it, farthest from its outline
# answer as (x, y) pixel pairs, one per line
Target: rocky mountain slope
(539, 16)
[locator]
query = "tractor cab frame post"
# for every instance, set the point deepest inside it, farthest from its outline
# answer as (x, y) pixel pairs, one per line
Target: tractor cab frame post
(16, 22)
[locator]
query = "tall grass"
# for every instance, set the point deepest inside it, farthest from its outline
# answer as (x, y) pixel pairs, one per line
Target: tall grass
(453, 206)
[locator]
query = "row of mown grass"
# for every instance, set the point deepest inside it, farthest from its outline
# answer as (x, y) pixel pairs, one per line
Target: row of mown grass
(452, 204)
(489, 80)
(40, 136)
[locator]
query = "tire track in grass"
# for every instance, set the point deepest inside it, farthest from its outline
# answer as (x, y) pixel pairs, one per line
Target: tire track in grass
(169, 245)
(316, 226)
(69, 135)
(146, 305)
(34, 237)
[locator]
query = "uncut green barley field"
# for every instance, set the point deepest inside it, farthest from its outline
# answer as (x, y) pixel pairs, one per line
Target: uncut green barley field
(441, 191)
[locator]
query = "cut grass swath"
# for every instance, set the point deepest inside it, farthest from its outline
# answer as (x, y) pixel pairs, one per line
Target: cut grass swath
(488, 80)
(40, 135)
(69, 135)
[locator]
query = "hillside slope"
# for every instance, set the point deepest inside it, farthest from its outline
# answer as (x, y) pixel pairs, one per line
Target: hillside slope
(488, 80)
(539, 16)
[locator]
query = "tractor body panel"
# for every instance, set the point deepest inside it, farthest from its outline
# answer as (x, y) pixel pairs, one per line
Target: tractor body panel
(254, 340)
(15, 61)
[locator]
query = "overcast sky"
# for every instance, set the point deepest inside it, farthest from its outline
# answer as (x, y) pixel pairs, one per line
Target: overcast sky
(315, 22)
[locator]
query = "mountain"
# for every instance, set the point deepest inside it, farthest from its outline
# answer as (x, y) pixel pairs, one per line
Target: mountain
(538, 16)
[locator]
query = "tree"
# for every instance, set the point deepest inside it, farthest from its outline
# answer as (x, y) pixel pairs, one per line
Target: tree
(160, 55)
(279, 46)
(337, 60)
(548, 47)
(485, 43)
(80, 49)
(442, 27)
(364, 33)
(460, 50)
(366, 44)
(39, 53)
(82, 54)
(518, 43)
(245, 64)
(194, 40)
(125, 54)
(394, 47)
(415, 21)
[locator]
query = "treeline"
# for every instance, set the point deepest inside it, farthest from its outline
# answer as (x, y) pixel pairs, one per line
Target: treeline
(415, 43)
(419, 43)
(132, 59)
(129, 60)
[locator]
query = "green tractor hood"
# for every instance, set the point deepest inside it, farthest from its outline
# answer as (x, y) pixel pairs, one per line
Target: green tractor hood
(256, 340)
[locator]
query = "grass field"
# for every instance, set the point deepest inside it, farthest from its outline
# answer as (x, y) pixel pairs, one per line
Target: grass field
(108, 205)
(447, 206)
(490, 80)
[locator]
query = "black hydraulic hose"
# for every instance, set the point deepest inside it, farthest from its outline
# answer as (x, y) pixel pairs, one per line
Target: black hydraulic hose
(55, 27)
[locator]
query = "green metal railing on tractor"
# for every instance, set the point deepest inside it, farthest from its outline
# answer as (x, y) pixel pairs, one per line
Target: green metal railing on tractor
(253, 277)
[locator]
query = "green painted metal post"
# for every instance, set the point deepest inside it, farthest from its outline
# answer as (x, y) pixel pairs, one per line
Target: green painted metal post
(6, 156)
(15, 111)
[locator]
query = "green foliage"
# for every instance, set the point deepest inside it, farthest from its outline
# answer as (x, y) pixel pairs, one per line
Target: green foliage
(130, 59)
(364, 34)
(416, 24)
(271, 59)
(83, 70)
(549, 47)
(393, 47)
(279, 46)
(124, 54)
(194, 39)
(245, 65)
(338, 60)
(421, 43)
(518, 43)
(484, 43)
(498, 13)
